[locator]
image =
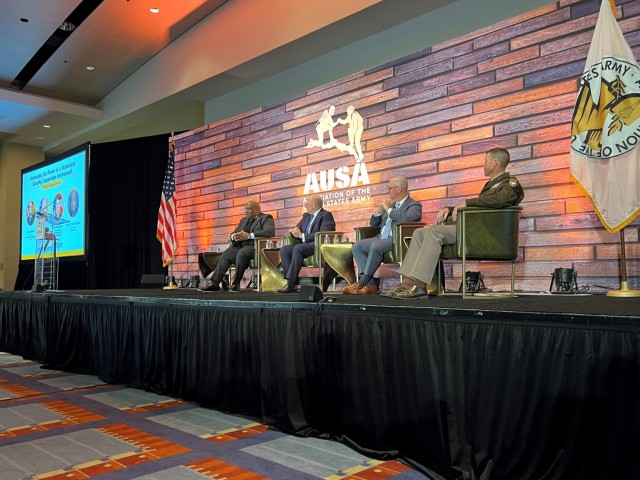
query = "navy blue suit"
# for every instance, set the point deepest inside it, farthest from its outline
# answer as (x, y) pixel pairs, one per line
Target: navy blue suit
(293, 256)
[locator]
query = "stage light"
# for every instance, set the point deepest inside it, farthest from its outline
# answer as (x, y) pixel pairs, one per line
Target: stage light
(565, 280)
(474, 282)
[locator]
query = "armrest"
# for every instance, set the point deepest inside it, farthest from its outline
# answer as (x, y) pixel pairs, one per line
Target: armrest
(291, 240)
(366, 232)
(401, 230)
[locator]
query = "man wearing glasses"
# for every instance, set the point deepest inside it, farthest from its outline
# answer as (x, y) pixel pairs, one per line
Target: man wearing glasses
(501, 191)
(368, 253)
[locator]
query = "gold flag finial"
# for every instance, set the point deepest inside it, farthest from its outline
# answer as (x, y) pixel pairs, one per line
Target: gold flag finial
(613, 6)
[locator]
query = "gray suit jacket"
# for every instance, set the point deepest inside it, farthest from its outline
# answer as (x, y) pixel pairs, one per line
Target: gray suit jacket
(409, 211)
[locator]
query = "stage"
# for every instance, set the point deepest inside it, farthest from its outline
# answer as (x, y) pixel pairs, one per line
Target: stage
(537, 386)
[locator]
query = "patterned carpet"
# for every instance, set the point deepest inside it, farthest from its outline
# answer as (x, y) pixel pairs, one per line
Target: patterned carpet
(57, 425)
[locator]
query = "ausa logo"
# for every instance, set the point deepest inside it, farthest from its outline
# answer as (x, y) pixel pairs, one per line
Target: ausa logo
(606, 119)
(341, 177)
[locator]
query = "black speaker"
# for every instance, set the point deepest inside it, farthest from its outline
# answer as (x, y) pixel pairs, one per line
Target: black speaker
(309, 293)
(152, 280)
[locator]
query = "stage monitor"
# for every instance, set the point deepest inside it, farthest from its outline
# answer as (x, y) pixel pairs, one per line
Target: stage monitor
(54, 206)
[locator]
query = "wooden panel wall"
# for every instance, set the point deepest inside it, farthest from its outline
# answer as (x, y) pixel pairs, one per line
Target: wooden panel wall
(429, 116)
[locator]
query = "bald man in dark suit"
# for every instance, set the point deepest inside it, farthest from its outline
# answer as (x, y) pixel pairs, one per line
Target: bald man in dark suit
(315, 220)
(241, 250)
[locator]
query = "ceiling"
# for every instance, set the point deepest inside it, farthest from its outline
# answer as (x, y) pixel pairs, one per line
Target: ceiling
(118, 37)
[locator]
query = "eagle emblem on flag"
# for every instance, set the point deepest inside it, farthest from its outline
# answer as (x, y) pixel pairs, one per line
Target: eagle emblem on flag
(606, 118)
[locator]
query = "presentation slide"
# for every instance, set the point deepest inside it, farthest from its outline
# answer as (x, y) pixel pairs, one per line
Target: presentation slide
(54, 206)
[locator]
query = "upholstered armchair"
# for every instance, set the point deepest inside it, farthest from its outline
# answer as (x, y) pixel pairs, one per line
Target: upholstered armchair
(207, 261)
(316, 259)
(401, 233)
(484, 234)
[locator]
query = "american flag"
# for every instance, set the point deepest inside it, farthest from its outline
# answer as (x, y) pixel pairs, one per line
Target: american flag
(166, 231)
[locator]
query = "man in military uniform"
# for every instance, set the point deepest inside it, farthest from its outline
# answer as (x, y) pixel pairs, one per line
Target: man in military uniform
(418, 267)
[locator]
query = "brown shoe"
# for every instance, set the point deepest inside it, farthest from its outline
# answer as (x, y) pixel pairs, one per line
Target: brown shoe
(367, 290)
(411, 293)
(350, 289)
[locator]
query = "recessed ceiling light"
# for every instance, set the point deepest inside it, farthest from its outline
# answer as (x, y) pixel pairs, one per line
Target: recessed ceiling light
(39, 138)
(91, 68)
(46, 126)
(154, 10)
(67, 26)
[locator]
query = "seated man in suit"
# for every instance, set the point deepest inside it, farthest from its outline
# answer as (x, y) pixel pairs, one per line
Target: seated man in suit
(241, 250)
(369, 253)
(418, 267)
(315, 220)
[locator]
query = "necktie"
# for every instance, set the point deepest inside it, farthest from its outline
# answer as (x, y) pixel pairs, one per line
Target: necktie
(247, 226)
(308, 230)
(386, 230)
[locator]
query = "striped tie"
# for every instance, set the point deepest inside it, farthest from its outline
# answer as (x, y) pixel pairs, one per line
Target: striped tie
(308, 230)
(386, 230)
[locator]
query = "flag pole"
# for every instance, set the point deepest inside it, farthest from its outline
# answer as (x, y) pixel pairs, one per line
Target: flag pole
(624, 291)
(167, 218)
(171, 280)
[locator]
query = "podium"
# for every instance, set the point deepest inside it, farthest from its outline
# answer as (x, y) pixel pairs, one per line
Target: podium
(45, 270)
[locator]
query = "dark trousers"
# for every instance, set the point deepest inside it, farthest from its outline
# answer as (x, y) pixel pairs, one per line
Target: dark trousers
(238, 255)
(292, 257)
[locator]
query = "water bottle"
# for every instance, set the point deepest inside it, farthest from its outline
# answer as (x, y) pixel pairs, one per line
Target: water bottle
(336, 239)
(269, 244)
(326, 239)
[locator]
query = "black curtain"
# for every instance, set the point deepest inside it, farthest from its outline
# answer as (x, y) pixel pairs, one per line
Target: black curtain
(458, 399)
(124, 186)
(125, 183)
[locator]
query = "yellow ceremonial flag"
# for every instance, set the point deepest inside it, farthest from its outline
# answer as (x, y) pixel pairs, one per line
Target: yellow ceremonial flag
(605, 132)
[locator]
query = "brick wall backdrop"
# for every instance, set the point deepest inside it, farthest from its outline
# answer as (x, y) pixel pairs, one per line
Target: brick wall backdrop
(429, 116)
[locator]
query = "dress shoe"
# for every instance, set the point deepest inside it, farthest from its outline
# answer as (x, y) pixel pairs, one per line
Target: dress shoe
(235, 287)
(225, 285)
(367, 290)
(411, 293)
(287, 289)
(397, 289)
(350, 289)
(212, 287)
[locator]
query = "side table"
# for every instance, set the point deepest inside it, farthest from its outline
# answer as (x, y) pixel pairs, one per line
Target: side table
(339, 258)
(271, 278)
(207, 262)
